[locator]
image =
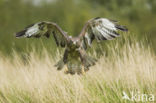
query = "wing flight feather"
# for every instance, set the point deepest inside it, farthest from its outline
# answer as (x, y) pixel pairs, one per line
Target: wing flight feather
(45, 29)
(99, 29)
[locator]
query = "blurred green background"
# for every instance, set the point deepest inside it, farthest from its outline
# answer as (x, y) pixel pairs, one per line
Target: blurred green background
(138, 15)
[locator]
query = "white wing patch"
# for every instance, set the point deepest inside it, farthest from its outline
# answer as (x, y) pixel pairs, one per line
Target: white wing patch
(32, 30)
(108, 24)
(104, 33)
(104, 29)
(88, 39)
(101, 29)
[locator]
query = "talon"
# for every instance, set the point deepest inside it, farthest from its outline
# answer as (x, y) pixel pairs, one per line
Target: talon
(66, 70)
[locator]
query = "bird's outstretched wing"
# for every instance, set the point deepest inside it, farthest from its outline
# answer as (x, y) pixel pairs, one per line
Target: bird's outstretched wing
(45, 29)
(99, 29)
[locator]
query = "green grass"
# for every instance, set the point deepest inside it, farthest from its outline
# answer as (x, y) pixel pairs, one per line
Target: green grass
(127, 66)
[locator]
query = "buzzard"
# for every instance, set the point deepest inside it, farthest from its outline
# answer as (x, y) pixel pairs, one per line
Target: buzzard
(75, 57)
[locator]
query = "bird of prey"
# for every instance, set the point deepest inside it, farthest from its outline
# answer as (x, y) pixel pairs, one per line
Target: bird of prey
(75, 57)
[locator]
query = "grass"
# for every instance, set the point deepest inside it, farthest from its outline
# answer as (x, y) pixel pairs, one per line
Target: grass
(130, 67)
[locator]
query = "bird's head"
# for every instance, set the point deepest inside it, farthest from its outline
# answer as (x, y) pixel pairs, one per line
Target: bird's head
(74, 42)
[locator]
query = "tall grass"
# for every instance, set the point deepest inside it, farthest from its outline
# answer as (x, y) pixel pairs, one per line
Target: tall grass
(130, 67)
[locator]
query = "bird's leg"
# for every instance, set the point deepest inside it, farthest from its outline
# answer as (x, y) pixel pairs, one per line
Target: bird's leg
(83, 70)
(66, 71)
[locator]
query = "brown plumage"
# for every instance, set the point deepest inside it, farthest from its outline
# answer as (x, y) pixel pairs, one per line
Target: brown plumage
(75, 56)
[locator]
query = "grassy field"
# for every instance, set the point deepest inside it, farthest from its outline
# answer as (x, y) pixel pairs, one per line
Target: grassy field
(127, 68)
